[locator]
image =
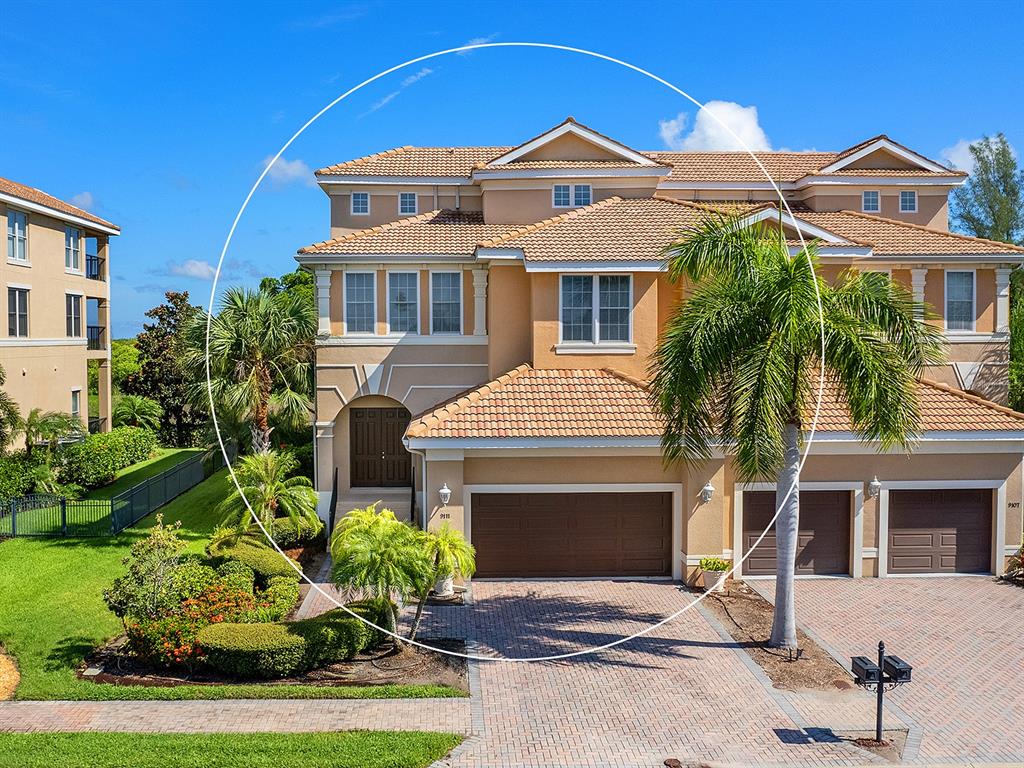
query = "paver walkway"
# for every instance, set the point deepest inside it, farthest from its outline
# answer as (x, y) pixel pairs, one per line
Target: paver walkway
(964, 637)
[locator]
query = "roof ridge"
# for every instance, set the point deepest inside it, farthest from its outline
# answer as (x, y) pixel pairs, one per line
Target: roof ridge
(526, 229)
(972, 398)
(372, 156)
(627, 377)
(870, 216)
(373, 230)
(421, 423)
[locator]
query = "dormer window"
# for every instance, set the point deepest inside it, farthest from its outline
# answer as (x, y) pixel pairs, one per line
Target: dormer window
(571, 195)
(360, 203)
(908, 201)
(870, 201)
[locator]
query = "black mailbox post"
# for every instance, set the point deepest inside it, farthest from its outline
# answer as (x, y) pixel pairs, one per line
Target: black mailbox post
(890, 672)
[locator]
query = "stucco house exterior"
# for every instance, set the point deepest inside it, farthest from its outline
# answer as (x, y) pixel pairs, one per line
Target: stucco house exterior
(486, 320)
(55, 279)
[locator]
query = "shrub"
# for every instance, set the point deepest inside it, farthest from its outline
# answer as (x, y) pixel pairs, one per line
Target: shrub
(714, 564)
(238, 575)
(192, 578)
(333, 636)
(254, 650)
(274, 603)
(264, 561)
(16, 475)
(147, 590)
(376, 611)
(96, 460)
(287, 535)
(303, 453)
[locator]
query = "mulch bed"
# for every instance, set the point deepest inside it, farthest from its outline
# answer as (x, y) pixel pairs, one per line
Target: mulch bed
(9, 676)
(747, 617)
(381, 666)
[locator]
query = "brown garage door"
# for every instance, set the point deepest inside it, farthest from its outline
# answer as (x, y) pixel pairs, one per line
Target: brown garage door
(940, 531)
(572, 534)
(823, 545)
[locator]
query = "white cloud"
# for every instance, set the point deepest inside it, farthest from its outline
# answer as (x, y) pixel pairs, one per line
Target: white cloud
(194, 268)
(959, 155)
(476, 41)
(83, 200)
(286, 171)
(709, 134)
(408, 81)
(417, 77)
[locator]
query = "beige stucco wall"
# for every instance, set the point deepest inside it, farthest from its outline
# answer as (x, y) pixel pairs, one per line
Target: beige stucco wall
(932, 203)
(384, 204)
(526, 206)
(509, 328)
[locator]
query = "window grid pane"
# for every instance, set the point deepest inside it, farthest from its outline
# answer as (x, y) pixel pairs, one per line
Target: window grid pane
(359, 302)
(360, 202)
(76, 403)
(402, 302)
(17, 312)
(959, 301)
(581, 194)
(871, 203)
(561, 195)
(613, 301)
(71, 248)
(908, 202)
(446, 306)
(577, 308)
(17, 228)
(407, 203)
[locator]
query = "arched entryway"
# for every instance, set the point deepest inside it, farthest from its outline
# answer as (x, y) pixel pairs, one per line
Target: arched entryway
(377, 458)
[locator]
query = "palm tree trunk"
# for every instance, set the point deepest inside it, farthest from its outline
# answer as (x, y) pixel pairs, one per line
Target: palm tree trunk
(419, 614)
(787, 526)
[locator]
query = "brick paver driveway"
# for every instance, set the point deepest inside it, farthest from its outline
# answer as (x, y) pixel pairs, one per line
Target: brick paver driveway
(964, 637)
(681, 691)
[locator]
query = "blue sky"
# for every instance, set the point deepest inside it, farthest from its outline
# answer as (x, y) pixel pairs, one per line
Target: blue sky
(160, 116)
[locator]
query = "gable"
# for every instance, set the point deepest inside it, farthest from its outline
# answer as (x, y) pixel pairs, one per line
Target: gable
(569, 146)
(882, 149)
(883, 158)
(577, 139)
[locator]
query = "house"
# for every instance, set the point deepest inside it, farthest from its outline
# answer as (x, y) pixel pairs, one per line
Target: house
(56, 298)
(486, 319)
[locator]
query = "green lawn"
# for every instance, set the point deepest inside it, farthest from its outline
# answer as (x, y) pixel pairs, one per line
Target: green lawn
(52, 612)
(163, 459)
(352, 749)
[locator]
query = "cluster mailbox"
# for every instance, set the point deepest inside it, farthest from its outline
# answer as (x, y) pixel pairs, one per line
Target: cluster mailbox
(865, 670)
(897, 670)
(890, 672)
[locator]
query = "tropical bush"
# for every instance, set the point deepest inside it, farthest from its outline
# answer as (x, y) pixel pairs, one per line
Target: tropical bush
(450, 556)
(264, 561)
(272, 492)
(95, 461)
(17, 475)
(238, 575)
(333, 636)
(47, 428)
(714, 564)
(275, 602)
(137, 411)
(148, 590)
(287, 535)
(192, 577)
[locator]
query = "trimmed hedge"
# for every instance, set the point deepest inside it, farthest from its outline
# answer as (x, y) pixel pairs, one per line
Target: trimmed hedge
(96, 460)
(264, 561)
(16, 477)
(287, 535)
(238, 575)
(333, 636)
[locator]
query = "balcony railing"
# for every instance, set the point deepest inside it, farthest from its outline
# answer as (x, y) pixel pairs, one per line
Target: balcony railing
(94, 267)
(96, 424)
(95, 337)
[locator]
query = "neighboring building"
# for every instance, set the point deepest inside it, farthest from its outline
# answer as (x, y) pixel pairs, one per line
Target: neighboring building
(56, 300)
(510, 298)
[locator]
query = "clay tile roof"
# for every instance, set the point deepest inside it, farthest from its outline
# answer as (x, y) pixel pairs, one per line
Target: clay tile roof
(548, 403)
(456, 162)
(614, 229)
(741, 167)
(33, 195)
(445, 232)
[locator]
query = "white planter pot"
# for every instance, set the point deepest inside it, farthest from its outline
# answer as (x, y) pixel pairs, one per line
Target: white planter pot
(713, 581)
(445, 586)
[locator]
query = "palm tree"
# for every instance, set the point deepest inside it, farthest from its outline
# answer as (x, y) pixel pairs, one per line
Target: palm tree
(738, 364)
(376, 553)
(451, 556)
(10, 417)
(138, 411)
(270, 491)
(260, 356)
(48, 427)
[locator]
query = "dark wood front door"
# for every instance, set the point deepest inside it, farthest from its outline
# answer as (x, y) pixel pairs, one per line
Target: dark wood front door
(379, 460)
(823, 542)
(940, 531)
(572, 534)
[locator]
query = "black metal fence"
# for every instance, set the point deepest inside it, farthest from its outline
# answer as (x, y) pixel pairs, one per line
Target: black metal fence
(44, 514)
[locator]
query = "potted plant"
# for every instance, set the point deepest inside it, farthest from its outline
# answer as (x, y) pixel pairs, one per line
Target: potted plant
(453, 556)
(713, 573)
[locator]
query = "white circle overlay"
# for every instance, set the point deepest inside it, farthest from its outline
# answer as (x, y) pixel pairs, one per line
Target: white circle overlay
(227, 243)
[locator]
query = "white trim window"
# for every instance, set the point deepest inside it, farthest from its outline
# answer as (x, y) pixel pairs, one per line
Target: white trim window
(596, 309)
(360, 302)
(446, 302)
(17, 235)
(403, 302)
(360, 204)
(17, 312)
(871, 201)
(908, 201)
(407, 205)
(73, 314)
(73, 249)
(960, 298)
(76, 403)
(571, 195)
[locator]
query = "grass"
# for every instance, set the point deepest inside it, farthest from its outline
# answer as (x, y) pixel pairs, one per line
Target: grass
(52, 612)
(162, 460)
(351, 749)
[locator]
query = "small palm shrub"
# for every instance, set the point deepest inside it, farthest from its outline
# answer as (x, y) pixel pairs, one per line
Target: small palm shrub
(137, 411)
(271, 492)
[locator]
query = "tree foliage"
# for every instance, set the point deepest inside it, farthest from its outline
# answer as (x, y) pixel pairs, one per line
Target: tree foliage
(299, 284)
(138, 411)
(267, 484)
(147, 590)
(10, 416)
(991, 202)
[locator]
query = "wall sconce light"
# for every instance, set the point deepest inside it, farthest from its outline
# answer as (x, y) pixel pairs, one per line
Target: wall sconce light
(446, 495)
(874, 487)
(707, 492)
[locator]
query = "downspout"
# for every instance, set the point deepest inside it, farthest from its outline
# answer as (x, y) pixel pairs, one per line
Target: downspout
(458, 198)
(435, 197)
(423, 484)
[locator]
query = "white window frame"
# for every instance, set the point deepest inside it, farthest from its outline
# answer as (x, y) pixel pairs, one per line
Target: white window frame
(76, 391)
(387, 298)
(908, 192)
(344, 302)
(415, 204)
(28, 256)
(28, 310)
(863, 205)
(352, 204)
(595, 311)
(974, 301)
(81, 313)
(590, 195)
(572, 196)
(75, 268)
(462, 306)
